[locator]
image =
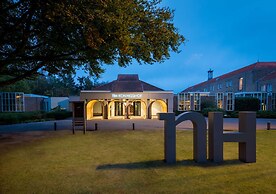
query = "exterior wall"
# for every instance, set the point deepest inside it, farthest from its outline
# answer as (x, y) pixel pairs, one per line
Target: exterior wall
(53, 102)
(33, 103)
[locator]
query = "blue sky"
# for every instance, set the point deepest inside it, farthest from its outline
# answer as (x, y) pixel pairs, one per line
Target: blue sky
(222, 35)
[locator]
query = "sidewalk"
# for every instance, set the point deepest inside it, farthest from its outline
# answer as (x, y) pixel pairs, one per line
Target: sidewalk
(141, 124)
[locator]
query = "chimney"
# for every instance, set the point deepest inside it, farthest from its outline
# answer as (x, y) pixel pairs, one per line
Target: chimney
(210, 74)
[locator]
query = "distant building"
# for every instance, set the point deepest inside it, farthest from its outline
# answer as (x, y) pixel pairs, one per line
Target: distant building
(20, 102)
(61, 103)
(257, 80)
(34, 102)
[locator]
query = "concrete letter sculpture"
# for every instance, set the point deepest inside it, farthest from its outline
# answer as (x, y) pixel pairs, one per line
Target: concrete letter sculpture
(199, 135)
(246, 136)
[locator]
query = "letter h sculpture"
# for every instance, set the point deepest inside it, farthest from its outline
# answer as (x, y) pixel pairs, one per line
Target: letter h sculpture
(246, 136)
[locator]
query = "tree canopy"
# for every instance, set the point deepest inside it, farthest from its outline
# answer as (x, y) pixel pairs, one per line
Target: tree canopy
(54, 85)
(59, 36)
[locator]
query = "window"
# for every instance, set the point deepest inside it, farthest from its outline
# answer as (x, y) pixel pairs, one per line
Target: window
(11, 102)
(119, 108)
(241, 83)
(263, 88)
(137, 108)
(273, 99)
(228, 84)
(219, 100)
(219, 86)
(269, 88)
(187, 101)
(197, 101)
(230, 99)
(180, 101)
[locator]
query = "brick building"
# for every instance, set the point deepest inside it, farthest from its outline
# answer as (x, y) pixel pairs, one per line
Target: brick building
(256, 80)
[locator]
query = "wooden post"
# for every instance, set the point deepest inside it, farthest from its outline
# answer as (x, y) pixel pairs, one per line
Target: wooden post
(84, 117)
(73, 119)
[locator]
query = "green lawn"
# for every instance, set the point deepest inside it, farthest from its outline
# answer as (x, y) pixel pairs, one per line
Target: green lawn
(130, 162)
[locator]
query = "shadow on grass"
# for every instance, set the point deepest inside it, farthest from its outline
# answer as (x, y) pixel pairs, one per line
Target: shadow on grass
(162, 164)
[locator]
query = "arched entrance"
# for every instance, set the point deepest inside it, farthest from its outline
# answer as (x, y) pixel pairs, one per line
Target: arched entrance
(94, 109)
(157, 106)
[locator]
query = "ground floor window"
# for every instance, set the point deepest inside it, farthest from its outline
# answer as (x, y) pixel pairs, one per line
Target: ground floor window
(137, 108)
(230, 101)
(273, 101)
(11, 102)
(219, 100)
(119, 108)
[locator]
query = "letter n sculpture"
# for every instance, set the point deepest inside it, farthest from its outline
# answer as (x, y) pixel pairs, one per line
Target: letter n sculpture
(199, 135)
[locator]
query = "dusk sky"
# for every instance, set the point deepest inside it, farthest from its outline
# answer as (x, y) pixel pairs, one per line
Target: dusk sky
(222, 35)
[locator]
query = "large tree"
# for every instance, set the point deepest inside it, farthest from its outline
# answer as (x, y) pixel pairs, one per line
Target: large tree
(58, 36)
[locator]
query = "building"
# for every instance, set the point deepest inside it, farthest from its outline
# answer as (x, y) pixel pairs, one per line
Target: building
(20, 102)
(34, 102)
(12, 102)
(125, 98)
(256, 80)
(61, 103)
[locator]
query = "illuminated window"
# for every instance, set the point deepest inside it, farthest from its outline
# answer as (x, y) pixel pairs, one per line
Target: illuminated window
(241, 83)
(137, 108)
(181, 102)
(219, 100)
(187, 101)
(119, 108)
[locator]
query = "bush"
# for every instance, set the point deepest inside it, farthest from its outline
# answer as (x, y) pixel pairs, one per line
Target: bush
(266, 114)
(12, 118)
(59, 115)
(247, 104)
(205, 111)
(207, 104)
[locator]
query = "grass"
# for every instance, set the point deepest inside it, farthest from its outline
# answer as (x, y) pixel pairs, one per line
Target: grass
(130, 162)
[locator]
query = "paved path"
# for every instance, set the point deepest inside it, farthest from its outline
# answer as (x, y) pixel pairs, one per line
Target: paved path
(141, 124)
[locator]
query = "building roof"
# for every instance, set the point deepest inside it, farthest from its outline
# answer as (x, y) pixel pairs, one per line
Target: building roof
(269, 76)
(254, 66)
(128, 83)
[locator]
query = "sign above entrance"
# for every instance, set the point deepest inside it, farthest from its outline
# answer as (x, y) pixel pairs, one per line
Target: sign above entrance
(136, 96)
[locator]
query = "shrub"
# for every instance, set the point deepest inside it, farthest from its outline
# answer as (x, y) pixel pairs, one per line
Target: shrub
(266, 114)
(59, 115)
(205, 111)
(207, 104)
(11, 118)
(247, 104)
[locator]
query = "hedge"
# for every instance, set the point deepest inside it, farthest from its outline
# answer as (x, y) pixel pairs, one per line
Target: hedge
(247, 104)
(22, 117)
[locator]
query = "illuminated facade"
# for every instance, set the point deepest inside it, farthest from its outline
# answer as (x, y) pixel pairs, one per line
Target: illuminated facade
(126, 98)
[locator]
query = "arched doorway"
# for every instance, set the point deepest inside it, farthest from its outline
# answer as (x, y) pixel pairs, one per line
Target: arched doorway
(94, 109)
(157, 106)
